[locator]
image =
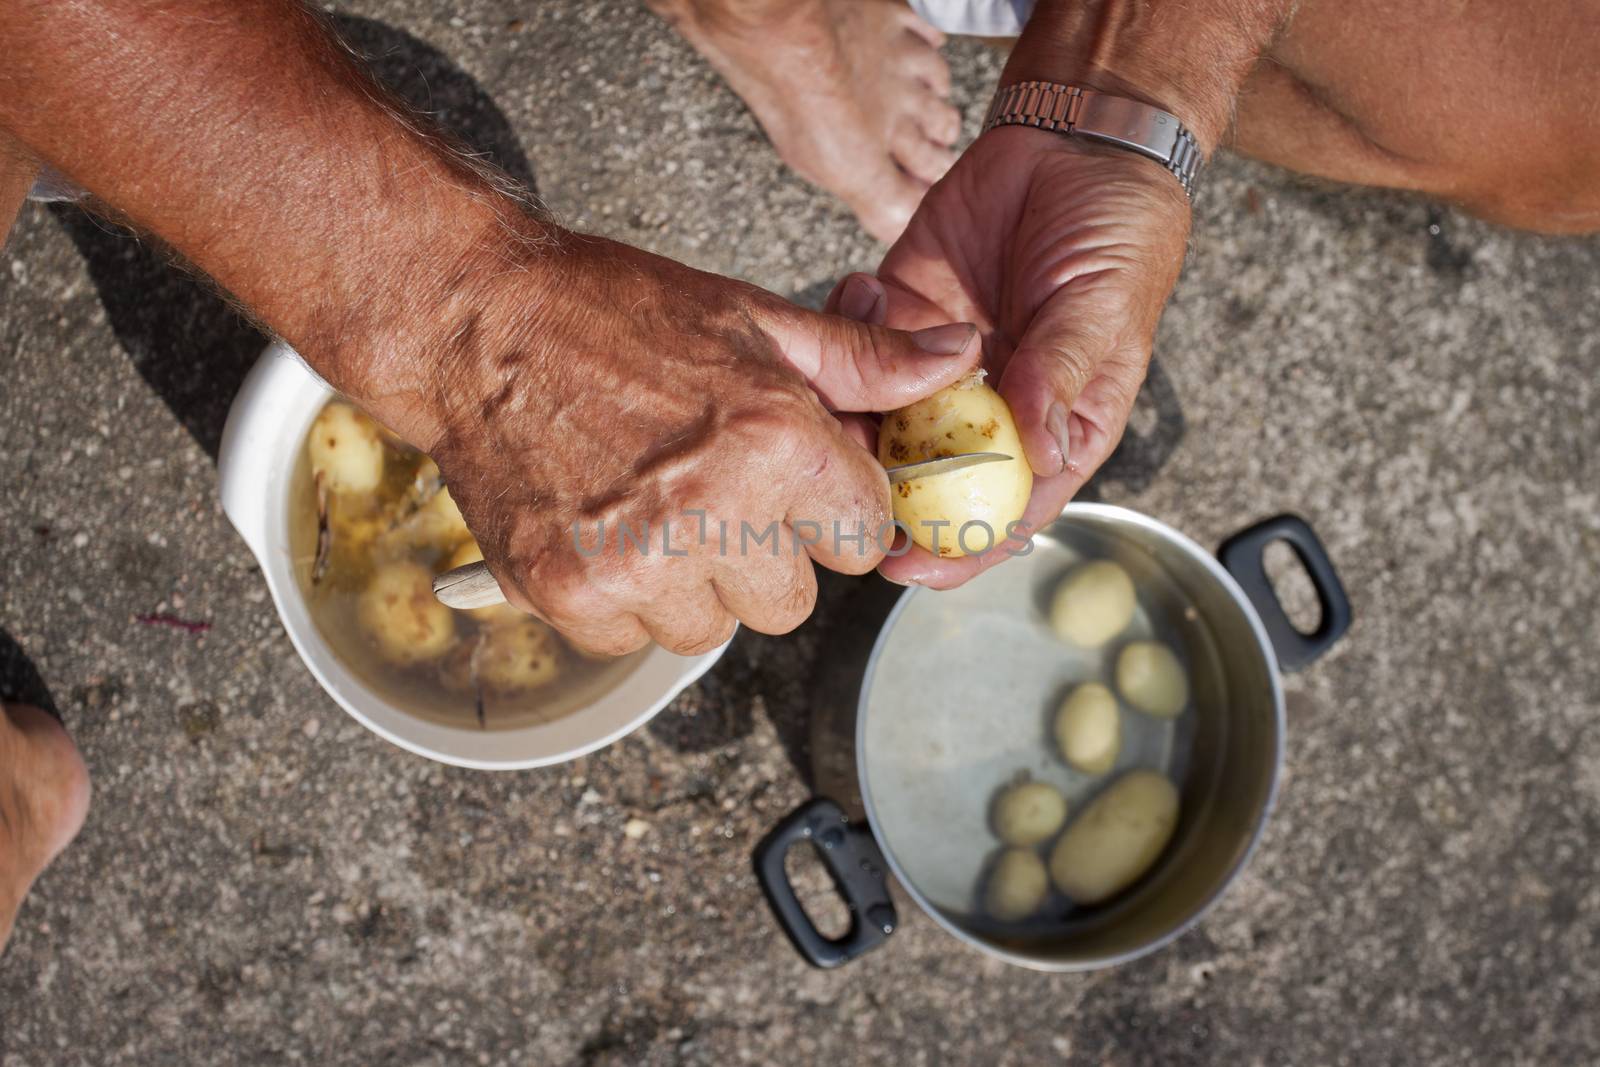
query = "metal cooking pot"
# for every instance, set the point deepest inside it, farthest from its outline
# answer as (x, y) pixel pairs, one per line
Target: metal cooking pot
(957, 695)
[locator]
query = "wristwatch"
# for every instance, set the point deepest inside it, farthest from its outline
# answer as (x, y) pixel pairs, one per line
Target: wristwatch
(1113, 120)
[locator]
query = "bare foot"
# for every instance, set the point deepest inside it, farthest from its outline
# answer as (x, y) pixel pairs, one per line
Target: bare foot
(851, 92)
(44, 795)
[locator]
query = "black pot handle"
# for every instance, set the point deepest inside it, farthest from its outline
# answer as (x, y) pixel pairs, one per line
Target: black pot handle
(859, 874)
(1243, 555)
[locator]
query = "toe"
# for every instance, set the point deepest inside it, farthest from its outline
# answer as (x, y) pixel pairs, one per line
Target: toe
(921, 158)
(941, 123)
(927, 66)
(885, 213)
(923, 28)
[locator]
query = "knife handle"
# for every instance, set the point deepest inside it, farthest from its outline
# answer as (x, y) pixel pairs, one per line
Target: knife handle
(468, 587)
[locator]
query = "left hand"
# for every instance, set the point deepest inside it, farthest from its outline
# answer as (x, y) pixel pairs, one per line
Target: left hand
(1063, 252)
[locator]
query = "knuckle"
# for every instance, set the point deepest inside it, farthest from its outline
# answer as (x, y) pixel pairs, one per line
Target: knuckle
(798, 597)
(715, 629)
(617, 642)
(787, 601)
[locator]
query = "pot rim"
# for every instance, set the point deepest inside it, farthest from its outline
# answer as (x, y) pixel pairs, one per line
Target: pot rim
(1264, 646)
(277, 401)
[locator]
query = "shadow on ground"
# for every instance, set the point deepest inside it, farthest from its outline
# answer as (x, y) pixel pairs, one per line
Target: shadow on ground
(184, 338)
(20, 681)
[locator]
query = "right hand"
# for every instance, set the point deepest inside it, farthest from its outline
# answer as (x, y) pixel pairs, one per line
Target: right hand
(629, 388)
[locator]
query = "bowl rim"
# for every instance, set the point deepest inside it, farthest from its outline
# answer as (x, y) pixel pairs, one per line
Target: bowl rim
(269, 417)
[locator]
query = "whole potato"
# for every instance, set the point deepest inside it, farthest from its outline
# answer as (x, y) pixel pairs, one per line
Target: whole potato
(1029, 813)
(1089, 728)
(1150, 678)
(346, 449)
(965, 417)
(1017, 885)
(1116, 839)
(518, 657)
(1093, 604)
(398, 609)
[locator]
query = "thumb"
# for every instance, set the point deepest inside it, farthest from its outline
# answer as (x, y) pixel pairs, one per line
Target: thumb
(858, 367)
(1072, 380)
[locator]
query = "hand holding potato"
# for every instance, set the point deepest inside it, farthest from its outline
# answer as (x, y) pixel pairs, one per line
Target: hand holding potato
(617, 387)
(958, 512)
(1063, 253)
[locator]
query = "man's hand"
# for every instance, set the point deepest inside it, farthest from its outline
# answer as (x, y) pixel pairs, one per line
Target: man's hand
(614, 397)
(1063, 253)
(1062, 250)
(557, 379)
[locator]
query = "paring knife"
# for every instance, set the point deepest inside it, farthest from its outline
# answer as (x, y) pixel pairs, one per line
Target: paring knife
(908, 472)
(473, 586)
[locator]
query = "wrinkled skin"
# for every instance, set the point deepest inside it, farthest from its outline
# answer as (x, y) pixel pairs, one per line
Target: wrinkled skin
(639, 390)
(1063, 253)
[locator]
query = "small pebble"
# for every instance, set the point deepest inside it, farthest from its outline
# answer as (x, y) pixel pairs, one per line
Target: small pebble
(636, 828)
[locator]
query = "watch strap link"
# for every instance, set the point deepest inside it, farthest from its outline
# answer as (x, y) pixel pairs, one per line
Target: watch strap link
(1116, 120)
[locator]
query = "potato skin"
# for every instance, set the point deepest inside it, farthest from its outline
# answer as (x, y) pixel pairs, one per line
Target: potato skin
(519, 657)
(1017, 885)
(399, 611)
(1028, 813)
(1150, 677)
(1093, 604)
(965, 417)
(346, 449)
(1116, 839)
(1088, 728)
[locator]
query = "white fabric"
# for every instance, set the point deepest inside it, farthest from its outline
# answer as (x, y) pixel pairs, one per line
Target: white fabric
(976, 18)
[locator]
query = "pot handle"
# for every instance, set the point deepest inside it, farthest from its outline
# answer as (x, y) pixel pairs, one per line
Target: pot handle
(1243, 555)
(859, 875)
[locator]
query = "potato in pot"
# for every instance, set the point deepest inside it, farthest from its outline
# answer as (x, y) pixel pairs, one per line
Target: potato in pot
(965, 417)
(405, 620)
(346, 449)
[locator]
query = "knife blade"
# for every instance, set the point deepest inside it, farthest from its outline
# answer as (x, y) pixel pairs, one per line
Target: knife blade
(943, 465)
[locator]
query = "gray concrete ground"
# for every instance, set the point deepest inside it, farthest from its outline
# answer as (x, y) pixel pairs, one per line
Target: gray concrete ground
(262, 881)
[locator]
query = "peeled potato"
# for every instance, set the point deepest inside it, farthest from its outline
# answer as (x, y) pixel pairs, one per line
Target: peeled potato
(520, 656)
(494, 614)
(965, 417)
(1116, 839)
(1029, 813)
(1093, 604)
(1088, 728)
(346, 449)
(399, 610)
(1150, 678)
(1017, 885)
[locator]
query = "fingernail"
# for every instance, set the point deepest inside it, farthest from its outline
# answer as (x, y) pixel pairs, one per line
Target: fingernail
(860, 299)
(1056, 422)
(951, 340)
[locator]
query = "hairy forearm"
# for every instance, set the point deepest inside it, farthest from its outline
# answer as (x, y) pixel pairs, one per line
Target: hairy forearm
(1189, 56)
(243, 135)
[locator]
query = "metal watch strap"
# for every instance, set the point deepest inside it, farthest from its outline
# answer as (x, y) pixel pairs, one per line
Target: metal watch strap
(1114, 120)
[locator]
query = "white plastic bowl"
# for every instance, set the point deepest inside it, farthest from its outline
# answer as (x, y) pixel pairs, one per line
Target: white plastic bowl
(260, 445)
